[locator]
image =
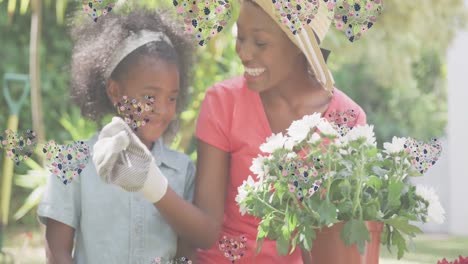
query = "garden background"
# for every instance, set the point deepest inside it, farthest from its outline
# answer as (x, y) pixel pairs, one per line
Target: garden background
(399, 72)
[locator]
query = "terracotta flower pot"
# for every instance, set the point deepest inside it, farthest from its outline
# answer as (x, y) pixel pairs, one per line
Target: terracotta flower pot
(328, 248)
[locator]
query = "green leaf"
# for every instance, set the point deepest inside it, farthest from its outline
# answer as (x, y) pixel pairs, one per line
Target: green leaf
(344, 188)
(399, 242)
(379, 171)
(282, 245)
(394, 193)
(259, 245)
(294, 243)
(307, 236)
(355, 232)
(285, 230)
(404, 226)
(263, 228)
(345, 210)
(292, 221)
(374, 182)
(371, 210)
(327, 212)
(372, 152)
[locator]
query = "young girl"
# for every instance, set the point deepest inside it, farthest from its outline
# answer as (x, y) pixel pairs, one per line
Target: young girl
(285, 76)
(140, 55)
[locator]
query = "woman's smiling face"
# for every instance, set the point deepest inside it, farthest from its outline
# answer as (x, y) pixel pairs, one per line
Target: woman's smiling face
(268, 56)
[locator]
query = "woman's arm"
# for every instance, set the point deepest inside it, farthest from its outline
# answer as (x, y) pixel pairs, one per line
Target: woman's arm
(59, 242)
(200, 224)
(185, 250)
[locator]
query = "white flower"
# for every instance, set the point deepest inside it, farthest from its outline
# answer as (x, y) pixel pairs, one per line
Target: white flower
(291, 155)
(274, 142)
(435, 211)
(299, 129)
(340, 142)
(258, 167)
(314, 138)
(242, 193)
(289, 144)
(359, 132)
(396, 146)
(326, 128)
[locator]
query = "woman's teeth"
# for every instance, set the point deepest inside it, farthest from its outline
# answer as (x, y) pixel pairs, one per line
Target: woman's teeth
(254, 71)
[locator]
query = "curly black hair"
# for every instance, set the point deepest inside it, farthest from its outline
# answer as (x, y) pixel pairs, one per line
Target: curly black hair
(94, 44)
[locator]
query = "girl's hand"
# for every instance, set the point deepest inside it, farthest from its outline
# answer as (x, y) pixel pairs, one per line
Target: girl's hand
(122, 159)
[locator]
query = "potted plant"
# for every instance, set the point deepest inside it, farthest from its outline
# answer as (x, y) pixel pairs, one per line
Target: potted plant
(326, 180)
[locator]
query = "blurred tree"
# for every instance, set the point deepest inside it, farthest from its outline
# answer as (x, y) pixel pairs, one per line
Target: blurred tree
(397, 70)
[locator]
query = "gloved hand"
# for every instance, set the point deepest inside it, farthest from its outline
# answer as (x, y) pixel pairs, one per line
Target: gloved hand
(112, 140)
(122, 159)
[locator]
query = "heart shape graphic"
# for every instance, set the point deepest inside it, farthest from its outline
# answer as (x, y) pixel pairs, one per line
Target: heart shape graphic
(133, 110)
(343, 122)
(182, 260)
(354, 17)
(203, 19)
(233, 248)
(296, 14)
(19, 147)
(301, 178)
(424, 155)
(95, 8)
(66, 161)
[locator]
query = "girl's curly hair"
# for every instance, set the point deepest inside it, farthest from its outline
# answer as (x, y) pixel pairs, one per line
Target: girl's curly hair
(94, 44)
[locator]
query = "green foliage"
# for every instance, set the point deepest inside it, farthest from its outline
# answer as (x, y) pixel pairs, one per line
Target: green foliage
(355, 232)
(396, 70)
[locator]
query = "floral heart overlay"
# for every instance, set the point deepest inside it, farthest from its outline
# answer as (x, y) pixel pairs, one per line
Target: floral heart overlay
(66, 161)
(424, 155)
(19, 147)
(132, 110)
(203, 19)
(296, 14)
(182, 260)
(96, 8)
(354, 17)
(343, 122)
(301, 177)
(233, 248)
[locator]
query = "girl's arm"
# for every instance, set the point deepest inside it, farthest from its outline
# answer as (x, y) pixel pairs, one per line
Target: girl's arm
(200, 224)
(59, 242)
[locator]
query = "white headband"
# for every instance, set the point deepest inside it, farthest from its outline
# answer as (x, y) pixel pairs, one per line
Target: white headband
(131, 43)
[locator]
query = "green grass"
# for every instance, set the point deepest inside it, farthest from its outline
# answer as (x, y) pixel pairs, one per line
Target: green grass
(26, 245)
(430, 249)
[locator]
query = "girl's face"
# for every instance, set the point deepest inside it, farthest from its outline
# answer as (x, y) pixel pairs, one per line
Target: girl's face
(156, 78)
(270, 59)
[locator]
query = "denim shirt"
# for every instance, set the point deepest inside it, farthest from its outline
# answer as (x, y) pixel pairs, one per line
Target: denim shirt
(112, 225)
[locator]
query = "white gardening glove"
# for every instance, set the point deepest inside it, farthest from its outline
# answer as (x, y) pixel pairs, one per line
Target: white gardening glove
(134, 169)
(111, 141)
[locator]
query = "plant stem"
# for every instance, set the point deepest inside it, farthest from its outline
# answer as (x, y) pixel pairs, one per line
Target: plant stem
(268, 205)
(358, 192)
